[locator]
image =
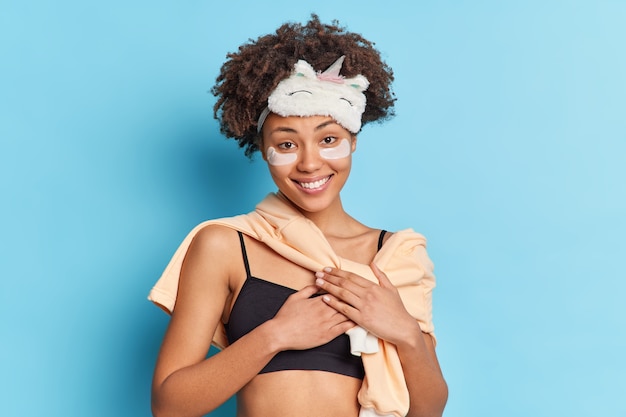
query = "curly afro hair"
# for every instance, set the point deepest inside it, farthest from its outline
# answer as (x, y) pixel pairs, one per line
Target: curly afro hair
(249, 75)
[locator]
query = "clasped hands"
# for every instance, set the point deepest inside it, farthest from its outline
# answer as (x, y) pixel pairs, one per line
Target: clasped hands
(347, 300)
(376, 308)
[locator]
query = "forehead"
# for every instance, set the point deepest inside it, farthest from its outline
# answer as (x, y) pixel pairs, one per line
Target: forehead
(300, 124)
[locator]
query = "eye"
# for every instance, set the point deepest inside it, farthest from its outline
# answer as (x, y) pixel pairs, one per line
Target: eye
(329, 140)
(286, 146)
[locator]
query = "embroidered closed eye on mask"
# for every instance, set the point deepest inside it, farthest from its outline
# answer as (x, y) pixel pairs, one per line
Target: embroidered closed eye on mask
(307, 93)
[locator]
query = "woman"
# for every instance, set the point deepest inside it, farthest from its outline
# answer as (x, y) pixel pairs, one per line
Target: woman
(316, 314)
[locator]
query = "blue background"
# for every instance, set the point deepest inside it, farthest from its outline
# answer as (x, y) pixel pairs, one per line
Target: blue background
(507, 152)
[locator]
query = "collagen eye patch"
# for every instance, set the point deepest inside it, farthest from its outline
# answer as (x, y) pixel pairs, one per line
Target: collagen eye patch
(279, 159)
(338, 152)
(343, 150)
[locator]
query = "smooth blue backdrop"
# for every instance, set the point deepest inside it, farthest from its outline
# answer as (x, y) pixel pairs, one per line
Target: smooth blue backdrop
(507, 152)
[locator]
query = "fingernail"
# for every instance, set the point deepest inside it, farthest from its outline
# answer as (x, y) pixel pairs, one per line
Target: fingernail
(327, 269)
(319, 274)
(326, 298)
(319, 281)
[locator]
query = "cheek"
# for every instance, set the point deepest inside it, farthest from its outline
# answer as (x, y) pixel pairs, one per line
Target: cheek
(280, 159)
(343, 150)
(280, 173)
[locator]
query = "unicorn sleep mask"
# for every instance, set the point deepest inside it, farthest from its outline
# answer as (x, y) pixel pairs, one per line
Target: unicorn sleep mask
(309, 93)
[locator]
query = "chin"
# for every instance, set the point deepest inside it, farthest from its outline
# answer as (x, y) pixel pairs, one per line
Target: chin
(310, 204)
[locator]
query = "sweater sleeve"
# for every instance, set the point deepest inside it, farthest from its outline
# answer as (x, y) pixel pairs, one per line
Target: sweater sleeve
(406, 262)
(423, 311)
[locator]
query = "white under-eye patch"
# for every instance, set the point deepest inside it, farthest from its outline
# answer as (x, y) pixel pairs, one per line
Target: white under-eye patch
(279, 159)
(340, 151)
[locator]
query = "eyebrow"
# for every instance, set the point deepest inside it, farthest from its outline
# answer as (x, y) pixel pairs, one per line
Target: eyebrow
(324, 124)
(292, 130)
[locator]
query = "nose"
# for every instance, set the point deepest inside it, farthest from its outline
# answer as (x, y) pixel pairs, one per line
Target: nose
(309, 159)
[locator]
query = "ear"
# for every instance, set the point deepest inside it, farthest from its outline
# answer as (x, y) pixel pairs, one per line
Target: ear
(353, 144)
(262, 147)
(303, 69)
(359, 82)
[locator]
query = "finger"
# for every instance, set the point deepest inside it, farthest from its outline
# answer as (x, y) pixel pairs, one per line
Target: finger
(344, 327)
(337, 318)
(382, 277)
(306, 292)
(342, 307)
(343, 289)
(340, 326)
(339, 277)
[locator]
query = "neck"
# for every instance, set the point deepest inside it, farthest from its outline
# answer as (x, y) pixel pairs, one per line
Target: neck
(333, 220)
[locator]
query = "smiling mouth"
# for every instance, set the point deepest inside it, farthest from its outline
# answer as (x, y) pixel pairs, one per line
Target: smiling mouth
(315, 184)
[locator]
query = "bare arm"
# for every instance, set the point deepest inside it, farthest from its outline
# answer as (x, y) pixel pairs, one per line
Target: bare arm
(427, 388)
(187, 384)
(184, 382)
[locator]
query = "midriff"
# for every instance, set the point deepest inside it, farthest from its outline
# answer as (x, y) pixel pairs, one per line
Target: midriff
(299, 393)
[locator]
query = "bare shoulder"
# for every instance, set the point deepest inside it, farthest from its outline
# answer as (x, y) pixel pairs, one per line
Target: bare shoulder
(215, 239)
(215, 244)
(209, 260)
(206, 279)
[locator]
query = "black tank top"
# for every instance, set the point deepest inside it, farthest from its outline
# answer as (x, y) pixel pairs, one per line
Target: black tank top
(259, 300)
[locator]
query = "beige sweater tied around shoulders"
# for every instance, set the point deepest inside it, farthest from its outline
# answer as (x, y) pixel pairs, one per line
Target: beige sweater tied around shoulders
(402, 258)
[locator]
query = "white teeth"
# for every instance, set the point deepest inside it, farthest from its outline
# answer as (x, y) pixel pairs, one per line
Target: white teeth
(315, 184)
